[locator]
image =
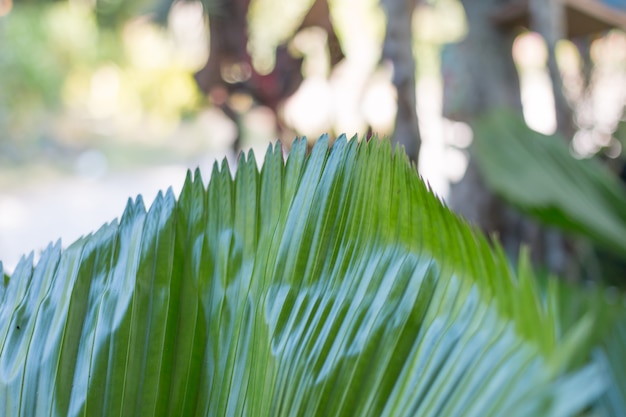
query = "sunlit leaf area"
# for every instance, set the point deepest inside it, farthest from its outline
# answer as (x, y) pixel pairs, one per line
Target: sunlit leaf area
(100, 97)
(294, 290)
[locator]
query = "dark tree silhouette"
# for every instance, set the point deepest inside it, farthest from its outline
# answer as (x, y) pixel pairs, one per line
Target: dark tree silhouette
(229, 68)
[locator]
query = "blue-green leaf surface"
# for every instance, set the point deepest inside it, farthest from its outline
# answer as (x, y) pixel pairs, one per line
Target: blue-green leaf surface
(334, 284)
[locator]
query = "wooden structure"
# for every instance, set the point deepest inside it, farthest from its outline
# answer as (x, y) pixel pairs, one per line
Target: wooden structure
(584, 17)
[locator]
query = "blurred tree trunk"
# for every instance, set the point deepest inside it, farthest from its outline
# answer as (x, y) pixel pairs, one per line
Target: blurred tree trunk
(229, 68)
(479, 76)
(398, 49)
(549, 20)
(228, 34)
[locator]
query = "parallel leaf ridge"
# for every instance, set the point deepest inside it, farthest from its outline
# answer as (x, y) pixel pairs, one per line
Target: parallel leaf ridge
(332, 284)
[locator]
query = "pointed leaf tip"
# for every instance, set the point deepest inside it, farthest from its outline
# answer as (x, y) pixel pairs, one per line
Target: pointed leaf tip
(225, 168)
(273, 147)
(323, 141)
(241, 157)
(340, 140)
(216, 167)
(251, 156)
(197, 176)
(298, 145)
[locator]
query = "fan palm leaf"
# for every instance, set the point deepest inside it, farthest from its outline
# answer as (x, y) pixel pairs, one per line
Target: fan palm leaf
(333, 284)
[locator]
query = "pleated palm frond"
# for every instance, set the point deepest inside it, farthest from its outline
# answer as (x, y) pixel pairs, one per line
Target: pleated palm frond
(335, 284)
(538, 174)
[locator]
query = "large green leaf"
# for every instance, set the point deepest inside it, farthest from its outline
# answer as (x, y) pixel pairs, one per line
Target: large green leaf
(334, 284)
(538, 174)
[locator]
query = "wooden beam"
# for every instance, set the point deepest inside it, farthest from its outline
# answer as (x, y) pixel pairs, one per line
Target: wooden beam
(584, 17)
(511, 14)
(592, 16)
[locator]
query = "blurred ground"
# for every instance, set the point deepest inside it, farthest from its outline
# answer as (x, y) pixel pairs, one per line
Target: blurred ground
(68, 208)
(40, 204)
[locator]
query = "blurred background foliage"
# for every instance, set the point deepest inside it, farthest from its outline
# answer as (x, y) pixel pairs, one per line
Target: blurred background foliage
(117, 77)
(63, 74)
(91, 89)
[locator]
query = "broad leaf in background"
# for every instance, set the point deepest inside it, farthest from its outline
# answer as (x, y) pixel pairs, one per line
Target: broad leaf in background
(538, 174)
(333, 285)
